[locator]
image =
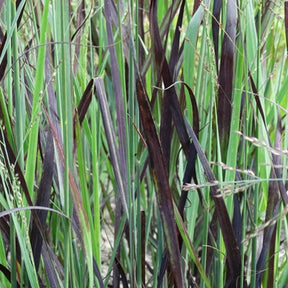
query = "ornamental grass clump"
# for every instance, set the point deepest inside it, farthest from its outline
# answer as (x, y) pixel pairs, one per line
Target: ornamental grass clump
(143, 143)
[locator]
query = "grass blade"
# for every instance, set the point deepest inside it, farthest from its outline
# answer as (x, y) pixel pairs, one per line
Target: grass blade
(166, 113)
(233, 252)
(43, 198)
(118, 93)
(175, 45)
(286, 22)
(20, 5)
(215, 28)
(160, 172)
(7, 273)
(189, 245)
(120, 50)
(224, 109)
(192, 155)
(267, 10)
(274, 159)
(121, 116)
(111, 139)
(32, 150)
(271, 211)
(167, 79)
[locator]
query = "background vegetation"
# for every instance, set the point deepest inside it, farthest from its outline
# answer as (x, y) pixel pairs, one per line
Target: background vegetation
(143, 143)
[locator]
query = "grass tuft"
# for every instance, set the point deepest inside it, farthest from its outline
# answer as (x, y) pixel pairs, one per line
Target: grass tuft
(143, 144)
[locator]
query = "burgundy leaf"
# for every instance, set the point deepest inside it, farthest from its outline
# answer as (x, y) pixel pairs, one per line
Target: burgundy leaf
(161, 180)
(43, 198)
(167, 79)
(224, 108)
(196, 5)
(7, 273)
(215, 28)
(175, 45)
(84, 103)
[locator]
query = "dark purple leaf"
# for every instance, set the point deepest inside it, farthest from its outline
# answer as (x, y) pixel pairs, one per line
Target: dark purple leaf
(196, 5)
(84, 103)
(266, 245)
(161, 180)
(171, 107)
(271, 211)
(123, 278)
(192, 154)
(52, 266)
(43, 198)
(224, 107)
(237, 220)
(7, 273)
(175, 45)
(164, 28)
(97, 273)
(215, 28)
(166, 113)
(167, 79)
(171, 103)
(273, 197)
(271, 259)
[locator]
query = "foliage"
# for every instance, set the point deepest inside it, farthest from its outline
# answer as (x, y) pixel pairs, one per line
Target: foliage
(162, 121)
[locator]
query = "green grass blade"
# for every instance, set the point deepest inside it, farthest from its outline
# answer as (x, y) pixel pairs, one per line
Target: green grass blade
(37, 99)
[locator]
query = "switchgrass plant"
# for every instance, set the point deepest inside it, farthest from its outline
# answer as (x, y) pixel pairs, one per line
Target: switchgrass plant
(143, 143)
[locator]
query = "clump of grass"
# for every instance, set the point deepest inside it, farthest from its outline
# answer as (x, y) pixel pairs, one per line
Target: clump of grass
(162, 121)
